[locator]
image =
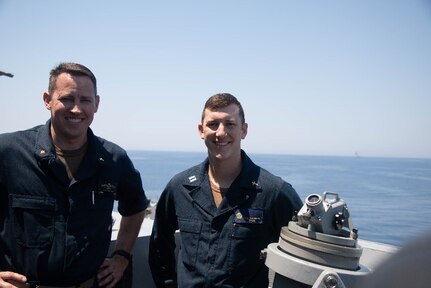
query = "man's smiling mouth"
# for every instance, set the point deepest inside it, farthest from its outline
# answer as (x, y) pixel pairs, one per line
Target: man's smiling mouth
(74, 119)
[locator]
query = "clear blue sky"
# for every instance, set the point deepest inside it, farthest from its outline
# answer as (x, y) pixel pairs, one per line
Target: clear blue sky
(314, 77)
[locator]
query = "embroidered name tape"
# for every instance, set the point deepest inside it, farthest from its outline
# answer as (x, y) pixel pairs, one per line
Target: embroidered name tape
(248, 216)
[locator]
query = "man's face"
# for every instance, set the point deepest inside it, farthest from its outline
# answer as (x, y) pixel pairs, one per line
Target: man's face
(222, 130)
(72, 104)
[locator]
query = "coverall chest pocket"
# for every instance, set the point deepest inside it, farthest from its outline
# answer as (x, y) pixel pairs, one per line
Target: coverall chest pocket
(33, 220)
(245, 246)
(190, 234)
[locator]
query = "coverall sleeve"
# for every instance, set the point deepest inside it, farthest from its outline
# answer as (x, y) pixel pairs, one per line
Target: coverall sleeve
(287, 203)
(162, 242)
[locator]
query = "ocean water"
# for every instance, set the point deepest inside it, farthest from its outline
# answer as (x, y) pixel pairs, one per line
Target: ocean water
(389, 199)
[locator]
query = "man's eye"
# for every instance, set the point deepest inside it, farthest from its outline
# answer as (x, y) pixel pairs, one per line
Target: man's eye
(230, 126)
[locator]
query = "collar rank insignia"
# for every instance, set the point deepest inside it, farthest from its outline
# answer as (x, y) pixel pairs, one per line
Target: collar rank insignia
(255, 185)
(192, 179)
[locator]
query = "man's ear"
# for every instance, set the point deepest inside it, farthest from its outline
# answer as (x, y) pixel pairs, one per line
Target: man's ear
(244, 130)
(201, 130)
(97, 103)
(47, 100)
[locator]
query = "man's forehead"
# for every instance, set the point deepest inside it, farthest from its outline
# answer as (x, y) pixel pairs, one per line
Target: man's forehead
(231, 109)
(221, 114)
(77, 83)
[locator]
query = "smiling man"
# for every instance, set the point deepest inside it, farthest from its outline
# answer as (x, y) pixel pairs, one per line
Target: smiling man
(58, 184)
(72, 100)
(227, 210)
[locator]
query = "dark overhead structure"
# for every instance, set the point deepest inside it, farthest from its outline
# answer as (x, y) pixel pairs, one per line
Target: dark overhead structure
(6, 74)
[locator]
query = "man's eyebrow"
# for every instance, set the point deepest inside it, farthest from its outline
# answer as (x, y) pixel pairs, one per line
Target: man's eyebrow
(64, 95)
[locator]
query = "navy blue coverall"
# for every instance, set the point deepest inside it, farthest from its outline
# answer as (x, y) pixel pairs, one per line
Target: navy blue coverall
(54, 231)
(220, 247)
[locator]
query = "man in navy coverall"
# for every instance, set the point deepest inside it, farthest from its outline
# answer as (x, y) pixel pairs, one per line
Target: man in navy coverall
(58, 183)
(227, 210)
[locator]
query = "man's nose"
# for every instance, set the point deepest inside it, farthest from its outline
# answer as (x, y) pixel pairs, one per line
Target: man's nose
(76, 108)
(221, 130)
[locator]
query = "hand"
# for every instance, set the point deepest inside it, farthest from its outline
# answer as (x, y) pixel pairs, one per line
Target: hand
(111, 271)
(12, 280)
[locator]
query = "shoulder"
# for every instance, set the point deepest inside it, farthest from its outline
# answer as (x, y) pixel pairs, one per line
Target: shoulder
(264, 175)
(110, 154)
(265, 178)
(274, 186)
(106, 149)
(31, 132)
(109, 146)
(18, 139)
(191, 176)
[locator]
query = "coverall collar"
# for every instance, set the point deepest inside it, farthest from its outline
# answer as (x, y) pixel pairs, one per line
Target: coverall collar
(96, 155)
(244, 187)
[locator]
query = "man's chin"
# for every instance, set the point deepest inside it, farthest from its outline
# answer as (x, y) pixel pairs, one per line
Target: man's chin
(220, 156)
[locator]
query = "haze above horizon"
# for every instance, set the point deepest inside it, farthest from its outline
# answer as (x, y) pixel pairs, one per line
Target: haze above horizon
(314, 77)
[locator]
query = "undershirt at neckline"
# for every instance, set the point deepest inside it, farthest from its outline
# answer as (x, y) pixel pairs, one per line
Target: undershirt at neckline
(218, 192)
(71, 159)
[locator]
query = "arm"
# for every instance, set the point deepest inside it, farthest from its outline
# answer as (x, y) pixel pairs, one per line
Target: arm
(132, 203)
(129, 230)
(113, 268)
(285, 206)
(161, 256)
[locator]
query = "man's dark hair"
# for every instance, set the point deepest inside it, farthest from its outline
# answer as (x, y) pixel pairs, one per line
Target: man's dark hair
(222, 100)
(73, 69)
